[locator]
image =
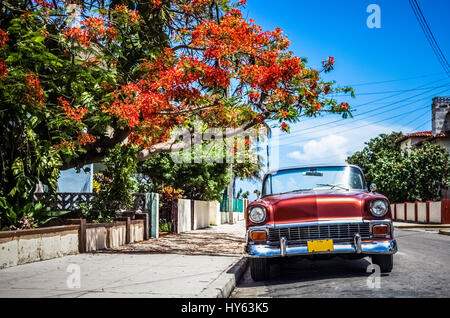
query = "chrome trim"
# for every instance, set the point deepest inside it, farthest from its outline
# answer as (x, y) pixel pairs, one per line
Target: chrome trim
(379, 199)
(257, 206)
(372, 223)
(321, 222)
(357, 242)
(368, 248)
(283, 243)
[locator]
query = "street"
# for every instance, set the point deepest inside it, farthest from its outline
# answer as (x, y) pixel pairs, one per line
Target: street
(421, 269)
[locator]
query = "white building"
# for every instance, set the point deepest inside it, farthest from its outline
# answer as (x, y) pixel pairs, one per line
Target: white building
(440, 133)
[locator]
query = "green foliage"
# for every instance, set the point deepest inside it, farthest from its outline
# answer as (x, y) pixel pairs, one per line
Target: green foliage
(117, 185)
(242, 195)
(31, 215)
(38, 138)
(165, 226)
(199, 181)
(402, 176)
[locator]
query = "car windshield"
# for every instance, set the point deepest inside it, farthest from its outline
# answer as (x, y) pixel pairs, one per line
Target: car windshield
(320, 178)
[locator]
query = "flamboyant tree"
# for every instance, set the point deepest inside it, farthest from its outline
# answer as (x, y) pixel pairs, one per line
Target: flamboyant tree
(78, 77)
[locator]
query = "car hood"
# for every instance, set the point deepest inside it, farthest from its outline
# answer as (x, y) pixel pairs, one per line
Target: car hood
(316, 205)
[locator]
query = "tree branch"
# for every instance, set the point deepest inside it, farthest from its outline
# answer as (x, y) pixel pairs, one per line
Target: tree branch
(98, 150)
(173, 146)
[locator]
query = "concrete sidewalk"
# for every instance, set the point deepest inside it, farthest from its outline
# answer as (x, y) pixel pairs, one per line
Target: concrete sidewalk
(204, 263)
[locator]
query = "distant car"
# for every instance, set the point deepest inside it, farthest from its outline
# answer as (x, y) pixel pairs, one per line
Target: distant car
(318, 212)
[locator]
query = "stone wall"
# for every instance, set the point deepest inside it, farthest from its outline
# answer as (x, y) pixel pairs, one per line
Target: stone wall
(27, 246)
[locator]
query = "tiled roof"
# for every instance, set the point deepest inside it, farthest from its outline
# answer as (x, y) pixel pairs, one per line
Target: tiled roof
(424, 134)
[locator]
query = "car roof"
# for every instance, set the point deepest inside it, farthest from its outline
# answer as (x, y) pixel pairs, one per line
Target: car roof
(312, 166)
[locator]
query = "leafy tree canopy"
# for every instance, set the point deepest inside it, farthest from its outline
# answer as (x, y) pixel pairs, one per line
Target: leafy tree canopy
(402, 175)
(78, 77)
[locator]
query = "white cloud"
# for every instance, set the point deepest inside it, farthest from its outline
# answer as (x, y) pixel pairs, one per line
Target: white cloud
(329, 149)
(325, 145)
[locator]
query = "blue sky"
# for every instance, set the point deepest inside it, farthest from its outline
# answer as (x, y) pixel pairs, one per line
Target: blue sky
(397, 51)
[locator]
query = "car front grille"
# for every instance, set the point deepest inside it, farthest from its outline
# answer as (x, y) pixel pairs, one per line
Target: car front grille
(340, 232)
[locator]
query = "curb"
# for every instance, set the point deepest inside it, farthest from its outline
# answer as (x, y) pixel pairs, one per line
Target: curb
(223, 286)
(443, 232)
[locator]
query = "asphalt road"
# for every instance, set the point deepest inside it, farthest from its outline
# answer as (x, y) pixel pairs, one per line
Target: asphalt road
(421, 269)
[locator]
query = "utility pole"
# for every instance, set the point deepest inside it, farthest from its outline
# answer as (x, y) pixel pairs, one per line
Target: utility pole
(230, 185)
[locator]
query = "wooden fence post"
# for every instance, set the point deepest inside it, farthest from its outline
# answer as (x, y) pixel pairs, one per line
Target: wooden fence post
(82, 236)
(81, 233)
(416, 212)
(192, 215)
(175, 215)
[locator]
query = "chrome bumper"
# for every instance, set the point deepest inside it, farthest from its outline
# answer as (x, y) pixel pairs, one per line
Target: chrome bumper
(370, 247)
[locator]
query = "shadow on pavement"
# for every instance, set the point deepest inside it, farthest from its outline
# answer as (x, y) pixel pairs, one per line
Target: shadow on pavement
(205, 244)
(305, 270)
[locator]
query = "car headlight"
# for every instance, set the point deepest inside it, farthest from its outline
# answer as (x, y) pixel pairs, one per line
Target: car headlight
(257, 214)
(379, 208)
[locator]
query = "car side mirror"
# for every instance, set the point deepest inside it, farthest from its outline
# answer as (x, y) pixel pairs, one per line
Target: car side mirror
(257, 193)
(373, 188)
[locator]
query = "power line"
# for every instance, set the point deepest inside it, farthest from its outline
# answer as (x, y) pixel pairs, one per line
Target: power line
(426, 122)
(429, 35)
(417, 118)
(397, 91)
(365, 125)
(371, 102)
(375, 109)
(394, 80)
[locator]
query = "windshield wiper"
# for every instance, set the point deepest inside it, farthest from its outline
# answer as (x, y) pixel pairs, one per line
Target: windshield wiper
(333, 186)
(299, 190)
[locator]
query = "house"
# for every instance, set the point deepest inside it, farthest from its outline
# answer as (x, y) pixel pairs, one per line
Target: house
(440, 133)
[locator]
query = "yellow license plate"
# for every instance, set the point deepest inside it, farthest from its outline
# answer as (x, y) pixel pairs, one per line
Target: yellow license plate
(320, 246)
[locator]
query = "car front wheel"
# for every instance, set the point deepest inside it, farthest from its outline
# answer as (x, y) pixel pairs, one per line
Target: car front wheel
(386, 262)
(259, 269)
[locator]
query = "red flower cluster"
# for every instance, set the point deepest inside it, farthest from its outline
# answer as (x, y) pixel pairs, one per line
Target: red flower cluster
(344, 105)
(156, 4)
(34, 94)
(85, 138)
(328, 64)
(72, 113)
(65, 144)
(130, 14)
(93, 29)
(3, 38)
(3, 69)
(44, 3)
(264, 68)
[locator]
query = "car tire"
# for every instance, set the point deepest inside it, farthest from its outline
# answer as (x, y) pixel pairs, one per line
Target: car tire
(259, 269)
(386, 262)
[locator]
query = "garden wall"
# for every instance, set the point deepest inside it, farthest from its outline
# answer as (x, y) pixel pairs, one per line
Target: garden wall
(194, 215)
(215, 217)
(422, 212)
(201, 215)
(27, 246)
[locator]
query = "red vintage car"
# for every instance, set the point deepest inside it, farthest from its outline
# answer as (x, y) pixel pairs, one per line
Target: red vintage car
(318, 212)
